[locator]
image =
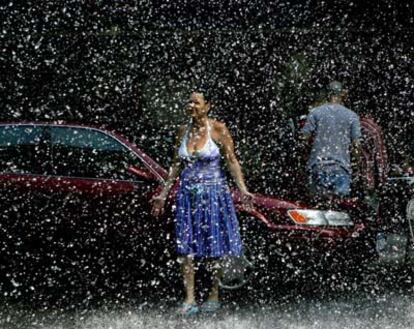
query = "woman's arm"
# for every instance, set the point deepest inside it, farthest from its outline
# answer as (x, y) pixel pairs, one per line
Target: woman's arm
(159, 200)
(227, 143)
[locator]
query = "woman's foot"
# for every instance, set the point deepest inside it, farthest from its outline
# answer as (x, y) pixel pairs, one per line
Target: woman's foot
(188, 309)
(210, 306)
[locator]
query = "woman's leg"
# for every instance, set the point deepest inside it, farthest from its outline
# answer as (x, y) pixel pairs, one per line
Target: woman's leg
(215, 279)
(188, 272)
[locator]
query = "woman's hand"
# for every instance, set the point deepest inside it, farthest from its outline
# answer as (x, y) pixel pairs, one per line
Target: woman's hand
(247, 199)
(158, 203)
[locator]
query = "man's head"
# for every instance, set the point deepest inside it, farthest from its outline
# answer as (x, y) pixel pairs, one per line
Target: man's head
(336, 91)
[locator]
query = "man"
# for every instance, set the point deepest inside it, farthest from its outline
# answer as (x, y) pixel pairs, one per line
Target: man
(336, 132)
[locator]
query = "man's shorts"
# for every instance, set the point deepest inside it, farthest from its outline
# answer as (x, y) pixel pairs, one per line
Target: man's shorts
(330, 180)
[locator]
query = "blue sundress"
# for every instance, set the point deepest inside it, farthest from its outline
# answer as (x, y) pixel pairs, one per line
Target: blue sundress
(206, 224)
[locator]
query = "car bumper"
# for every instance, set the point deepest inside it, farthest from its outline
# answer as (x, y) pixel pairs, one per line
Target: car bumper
(317, 245)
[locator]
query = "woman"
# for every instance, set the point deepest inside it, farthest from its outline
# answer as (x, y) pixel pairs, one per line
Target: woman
(206, 224)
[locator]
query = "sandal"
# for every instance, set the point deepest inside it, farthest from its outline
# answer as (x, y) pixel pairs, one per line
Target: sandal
(210, 306)
(188, 309)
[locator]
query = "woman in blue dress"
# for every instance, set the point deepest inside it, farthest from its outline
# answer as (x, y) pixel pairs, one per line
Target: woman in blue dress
(206, 224)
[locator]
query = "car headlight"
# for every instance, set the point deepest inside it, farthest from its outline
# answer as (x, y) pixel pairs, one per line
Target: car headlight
(320, 217)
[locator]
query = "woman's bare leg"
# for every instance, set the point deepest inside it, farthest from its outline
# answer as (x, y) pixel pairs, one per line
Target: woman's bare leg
(215, 279)
(188, 272)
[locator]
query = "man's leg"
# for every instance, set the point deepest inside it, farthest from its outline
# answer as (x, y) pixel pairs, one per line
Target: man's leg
(341, 183)
(318, 187)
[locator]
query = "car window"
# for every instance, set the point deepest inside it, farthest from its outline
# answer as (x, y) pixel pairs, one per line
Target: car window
(20, 135)
(89, 153)
(84, 138)
(23, 149)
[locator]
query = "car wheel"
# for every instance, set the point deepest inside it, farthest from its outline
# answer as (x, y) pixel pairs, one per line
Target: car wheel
(236, 271)
(250, 269)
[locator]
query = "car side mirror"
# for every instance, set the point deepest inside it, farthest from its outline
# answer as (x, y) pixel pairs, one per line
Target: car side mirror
(141, 172)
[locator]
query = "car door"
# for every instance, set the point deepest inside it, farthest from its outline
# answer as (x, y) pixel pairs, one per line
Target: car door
(103, 204)
(24, 173)
(374, 167)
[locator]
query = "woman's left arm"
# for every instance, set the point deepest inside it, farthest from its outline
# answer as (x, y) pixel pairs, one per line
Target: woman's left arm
(227, 143)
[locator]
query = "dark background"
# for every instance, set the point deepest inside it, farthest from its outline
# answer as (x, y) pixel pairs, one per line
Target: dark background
(131, 64)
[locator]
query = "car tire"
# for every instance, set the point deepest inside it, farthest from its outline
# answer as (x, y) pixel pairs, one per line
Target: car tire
(250, 271)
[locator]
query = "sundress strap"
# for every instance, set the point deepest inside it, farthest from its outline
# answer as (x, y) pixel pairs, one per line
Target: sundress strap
(208, 130)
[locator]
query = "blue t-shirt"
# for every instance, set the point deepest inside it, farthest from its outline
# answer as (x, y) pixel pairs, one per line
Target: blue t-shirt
(334, 127)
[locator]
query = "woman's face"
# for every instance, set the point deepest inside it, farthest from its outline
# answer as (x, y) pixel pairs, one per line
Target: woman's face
(197, 107)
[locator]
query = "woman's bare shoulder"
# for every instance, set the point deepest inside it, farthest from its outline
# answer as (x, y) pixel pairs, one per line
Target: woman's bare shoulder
(219, 131)
(218, 126)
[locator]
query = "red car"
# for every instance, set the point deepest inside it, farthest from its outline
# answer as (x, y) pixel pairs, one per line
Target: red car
(76, 197)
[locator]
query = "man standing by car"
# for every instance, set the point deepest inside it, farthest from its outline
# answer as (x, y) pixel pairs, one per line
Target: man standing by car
(335, 131)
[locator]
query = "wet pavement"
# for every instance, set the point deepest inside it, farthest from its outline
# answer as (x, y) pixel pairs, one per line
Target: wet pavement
(378, 305)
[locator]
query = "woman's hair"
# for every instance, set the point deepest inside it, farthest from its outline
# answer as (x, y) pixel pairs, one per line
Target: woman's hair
(203, 90)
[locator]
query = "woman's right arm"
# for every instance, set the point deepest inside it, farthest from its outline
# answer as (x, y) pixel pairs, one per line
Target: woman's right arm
(158, 201)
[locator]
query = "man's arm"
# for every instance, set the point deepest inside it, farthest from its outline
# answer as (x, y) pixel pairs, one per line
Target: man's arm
(309, 126)
(306, 133)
